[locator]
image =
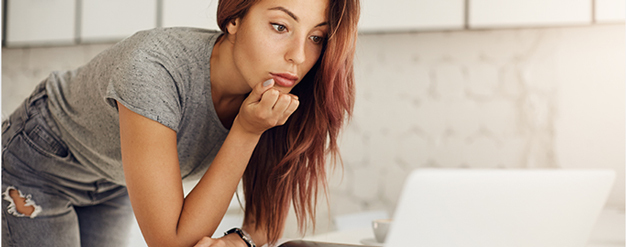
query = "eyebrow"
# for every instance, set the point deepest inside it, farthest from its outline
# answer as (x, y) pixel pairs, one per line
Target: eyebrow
(283, 9)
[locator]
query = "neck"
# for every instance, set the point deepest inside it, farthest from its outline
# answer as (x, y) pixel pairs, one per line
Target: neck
(228, 88)
(226, 81)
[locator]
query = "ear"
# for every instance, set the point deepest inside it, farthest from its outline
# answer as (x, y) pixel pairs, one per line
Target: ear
(233, 26)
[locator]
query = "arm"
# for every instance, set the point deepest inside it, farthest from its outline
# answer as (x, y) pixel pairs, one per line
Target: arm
(153, 177)
(258, 235)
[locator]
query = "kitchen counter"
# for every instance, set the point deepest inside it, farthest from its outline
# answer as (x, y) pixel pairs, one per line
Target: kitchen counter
(608, 232)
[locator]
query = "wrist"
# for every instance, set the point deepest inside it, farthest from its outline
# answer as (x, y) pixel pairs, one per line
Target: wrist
(238, 127)
(234, 239)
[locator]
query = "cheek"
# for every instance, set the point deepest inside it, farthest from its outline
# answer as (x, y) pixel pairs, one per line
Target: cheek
(255, 51)
(262, 52)
(313, 54)
(249, 53)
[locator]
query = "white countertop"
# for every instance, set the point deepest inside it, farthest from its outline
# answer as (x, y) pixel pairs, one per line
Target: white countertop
(608, 232)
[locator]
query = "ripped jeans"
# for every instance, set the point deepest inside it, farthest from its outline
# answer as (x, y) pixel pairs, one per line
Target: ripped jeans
(36, 165)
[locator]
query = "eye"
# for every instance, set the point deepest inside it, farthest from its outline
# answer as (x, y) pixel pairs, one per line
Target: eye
(279, 28)
(317, 39)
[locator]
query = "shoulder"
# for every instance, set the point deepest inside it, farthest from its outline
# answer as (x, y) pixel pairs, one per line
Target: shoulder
(167, 47)
(172, 37)
(170, 47)
(179, 32)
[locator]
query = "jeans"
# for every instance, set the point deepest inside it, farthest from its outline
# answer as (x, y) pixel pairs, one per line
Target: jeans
(72, 206)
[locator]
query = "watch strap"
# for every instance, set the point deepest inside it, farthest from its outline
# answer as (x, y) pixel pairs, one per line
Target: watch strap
(243, 235)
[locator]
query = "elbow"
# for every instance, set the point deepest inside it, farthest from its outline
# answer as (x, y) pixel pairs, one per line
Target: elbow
(173, 240)
(169, 241)
(160, 242)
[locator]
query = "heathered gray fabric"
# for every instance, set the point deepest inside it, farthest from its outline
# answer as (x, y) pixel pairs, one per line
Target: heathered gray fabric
(162, 74)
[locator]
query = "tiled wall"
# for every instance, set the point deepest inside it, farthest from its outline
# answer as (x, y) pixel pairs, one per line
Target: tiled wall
(519, 98)
(527, 98)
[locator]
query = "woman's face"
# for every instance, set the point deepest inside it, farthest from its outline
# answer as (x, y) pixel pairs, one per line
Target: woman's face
(280, 40)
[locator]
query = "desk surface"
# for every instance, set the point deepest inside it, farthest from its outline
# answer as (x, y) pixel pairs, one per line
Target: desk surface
(608, 232)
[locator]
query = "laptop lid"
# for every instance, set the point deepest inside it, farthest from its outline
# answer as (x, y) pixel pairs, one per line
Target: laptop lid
(495, 208)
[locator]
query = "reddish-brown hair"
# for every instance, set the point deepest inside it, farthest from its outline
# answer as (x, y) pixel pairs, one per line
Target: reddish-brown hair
(289, 162)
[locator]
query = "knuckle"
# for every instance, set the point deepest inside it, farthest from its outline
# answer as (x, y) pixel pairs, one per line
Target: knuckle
(290, 111)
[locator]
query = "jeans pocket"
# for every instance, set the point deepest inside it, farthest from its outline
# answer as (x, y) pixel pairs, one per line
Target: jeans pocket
(44, 142)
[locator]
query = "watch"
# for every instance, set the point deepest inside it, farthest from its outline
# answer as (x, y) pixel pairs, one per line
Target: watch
(246, 238)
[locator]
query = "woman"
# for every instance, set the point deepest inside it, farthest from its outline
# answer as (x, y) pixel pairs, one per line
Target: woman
(263, 102)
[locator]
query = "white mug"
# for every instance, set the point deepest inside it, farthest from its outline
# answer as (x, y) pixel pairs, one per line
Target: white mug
(381, 227)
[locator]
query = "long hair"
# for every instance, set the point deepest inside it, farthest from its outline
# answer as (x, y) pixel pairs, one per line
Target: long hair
(289, 163)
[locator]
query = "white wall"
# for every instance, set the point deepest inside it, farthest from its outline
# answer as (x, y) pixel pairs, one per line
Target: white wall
(519, 98)
(589, 126)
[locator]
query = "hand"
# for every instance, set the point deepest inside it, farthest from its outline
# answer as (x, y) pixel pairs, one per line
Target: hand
(265, 108)
(230, 240)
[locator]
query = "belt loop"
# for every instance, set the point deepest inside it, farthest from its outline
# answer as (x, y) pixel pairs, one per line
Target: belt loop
(5, 125)
(14, 124)
(20, 116)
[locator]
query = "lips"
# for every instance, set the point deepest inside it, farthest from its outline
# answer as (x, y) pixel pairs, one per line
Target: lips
(284, 79)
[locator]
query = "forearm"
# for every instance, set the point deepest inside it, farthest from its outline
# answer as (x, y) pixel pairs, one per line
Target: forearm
(150, 160)
(205, 206)
(207, 203)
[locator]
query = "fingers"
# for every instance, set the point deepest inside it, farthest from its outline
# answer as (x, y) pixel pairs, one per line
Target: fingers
(282, 103)
(269, 99)
(266, 107)
(293, 106)
(259, 90)
(286, 105)
(275, 102)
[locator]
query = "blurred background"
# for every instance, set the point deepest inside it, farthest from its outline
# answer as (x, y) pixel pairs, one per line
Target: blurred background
(447, 83)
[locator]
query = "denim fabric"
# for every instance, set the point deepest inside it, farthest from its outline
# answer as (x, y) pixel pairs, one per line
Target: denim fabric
(73, 205)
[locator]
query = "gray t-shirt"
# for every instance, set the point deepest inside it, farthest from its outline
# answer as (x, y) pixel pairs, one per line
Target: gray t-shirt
(162, 74)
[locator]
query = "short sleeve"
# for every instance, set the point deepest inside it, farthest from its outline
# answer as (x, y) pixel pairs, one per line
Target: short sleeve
(140, 80)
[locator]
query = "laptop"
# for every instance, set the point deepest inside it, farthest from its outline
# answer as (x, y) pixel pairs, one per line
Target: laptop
(495, 208)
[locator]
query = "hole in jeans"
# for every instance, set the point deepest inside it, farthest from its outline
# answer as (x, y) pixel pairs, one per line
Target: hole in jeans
(20, 205)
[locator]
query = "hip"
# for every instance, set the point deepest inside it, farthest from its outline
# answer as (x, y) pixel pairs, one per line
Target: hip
(33, 152)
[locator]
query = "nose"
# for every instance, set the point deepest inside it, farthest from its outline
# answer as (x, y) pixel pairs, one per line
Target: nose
(296, 51)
